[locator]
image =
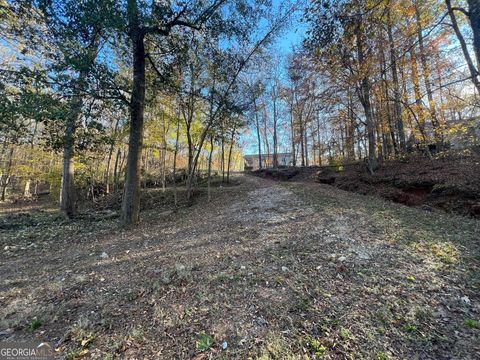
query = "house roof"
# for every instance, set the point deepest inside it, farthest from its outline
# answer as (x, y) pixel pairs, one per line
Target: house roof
(255, 156)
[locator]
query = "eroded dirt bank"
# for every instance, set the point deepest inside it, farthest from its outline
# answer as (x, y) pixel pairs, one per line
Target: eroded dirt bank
(450, 183)
(269, 270)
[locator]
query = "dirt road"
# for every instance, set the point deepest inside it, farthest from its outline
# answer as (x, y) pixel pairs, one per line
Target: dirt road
(267, 270)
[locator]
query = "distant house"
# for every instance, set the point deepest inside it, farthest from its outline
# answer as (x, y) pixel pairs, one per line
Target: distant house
(252, 161)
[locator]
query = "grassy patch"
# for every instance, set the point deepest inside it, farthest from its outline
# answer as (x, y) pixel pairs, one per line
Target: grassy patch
(410, 328)
(445, 253)
(204, 342)
(277, 348)
(317, 348)
(437, 237)
(472, 324)
(382, 356)
(303, 304)
(76, 354)
(34, 324)
(137, 334)
(344, 334)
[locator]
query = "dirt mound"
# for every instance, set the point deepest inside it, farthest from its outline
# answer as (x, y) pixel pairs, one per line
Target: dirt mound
(326, 176)
(281, 173)
(451, 183)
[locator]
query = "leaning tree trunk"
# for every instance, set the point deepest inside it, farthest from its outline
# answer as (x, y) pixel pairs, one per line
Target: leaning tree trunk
(474, 17)
(471, 67)
(131, 191)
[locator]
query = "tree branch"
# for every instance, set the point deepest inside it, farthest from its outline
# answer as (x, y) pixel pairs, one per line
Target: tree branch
(462, 10)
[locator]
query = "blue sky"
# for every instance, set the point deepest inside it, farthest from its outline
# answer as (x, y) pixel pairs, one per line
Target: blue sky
(283, 45)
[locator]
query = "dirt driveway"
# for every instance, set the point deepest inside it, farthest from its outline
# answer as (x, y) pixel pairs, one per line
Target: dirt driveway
(266, 270)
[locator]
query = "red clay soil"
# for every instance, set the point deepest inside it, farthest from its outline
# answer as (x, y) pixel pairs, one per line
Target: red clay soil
(450, 183)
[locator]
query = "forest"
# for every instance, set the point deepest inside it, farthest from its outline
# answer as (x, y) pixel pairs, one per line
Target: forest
(240, 179)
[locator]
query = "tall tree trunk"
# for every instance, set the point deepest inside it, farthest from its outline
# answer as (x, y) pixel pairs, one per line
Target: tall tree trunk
(116, 168)
(364, 93)
(191, 150)
(350, 130)
(292, 133)
(146, 166)
(188, 116)
(275, 159)
(305, 137)
(418, 96)
(26, 190)
(405, 100)
(163, 152)
(209, 196)
(109, 158)
(229, 161)
(131, 191)
(360, 142)
(343, 137)
(396, 86)
(67, 192)
(389, 146)
(177, 136)
(438, 68)
(265, 137)
(223, 157)
(380, 135)
(302, 145)
(107, 170)
(258, 133)
(426, 75)
(6, 177)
